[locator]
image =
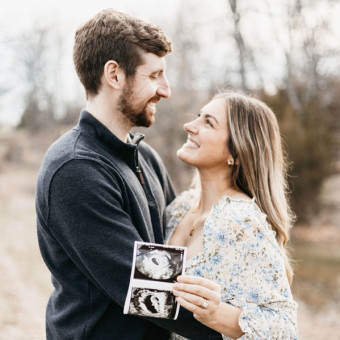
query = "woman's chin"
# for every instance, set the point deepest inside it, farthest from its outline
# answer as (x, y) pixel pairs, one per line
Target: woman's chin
(183, 156)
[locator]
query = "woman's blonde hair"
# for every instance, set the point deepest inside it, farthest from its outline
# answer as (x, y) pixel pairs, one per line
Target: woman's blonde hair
(255, 141)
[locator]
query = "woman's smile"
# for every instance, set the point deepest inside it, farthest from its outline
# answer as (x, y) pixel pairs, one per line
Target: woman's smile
(191, 144)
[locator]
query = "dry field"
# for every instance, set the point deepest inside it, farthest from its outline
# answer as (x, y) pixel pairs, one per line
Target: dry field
(25, 282)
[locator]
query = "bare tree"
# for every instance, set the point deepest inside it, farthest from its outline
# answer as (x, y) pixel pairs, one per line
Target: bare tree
(239, 41)
(37, 54)
(245, 53)
(307, 106)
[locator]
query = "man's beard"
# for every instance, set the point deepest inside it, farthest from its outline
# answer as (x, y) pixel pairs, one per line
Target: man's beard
(137, 115)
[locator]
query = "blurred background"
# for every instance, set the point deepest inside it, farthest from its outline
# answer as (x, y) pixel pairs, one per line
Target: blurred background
(286, 52)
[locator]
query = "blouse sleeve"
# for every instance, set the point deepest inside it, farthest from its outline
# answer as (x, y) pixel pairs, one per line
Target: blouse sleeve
(175, 211)
(254, 278)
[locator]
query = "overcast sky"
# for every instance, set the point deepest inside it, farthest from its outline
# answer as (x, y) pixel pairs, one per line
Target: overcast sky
(16, 16)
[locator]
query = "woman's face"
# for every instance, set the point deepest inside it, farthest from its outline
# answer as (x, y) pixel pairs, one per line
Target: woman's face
(206, 146)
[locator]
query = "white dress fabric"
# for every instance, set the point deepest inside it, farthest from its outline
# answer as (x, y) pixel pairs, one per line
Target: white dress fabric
(240, 252)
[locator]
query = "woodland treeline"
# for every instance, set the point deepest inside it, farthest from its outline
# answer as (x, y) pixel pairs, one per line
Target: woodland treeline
(285, 53)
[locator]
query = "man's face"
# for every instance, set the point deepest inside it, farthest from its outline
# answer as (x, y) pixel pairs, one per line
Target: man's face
(142, 92)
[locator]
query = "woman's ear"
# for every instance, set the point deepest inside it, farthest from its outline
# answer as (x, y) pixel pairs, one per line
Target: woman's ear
(231, 162)
(113, 74)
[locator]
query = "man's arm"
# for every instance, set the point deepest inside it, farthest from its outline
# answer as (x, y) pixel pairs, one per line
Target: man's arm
(88, 218)
(188, 327)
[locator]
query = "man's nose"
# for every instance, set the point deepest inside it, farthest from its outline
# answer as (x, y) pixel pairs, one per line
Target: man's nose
(164, 89)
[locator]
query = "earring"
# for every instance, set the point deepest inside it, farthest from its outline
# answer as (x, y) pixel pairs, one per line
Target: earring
(230, 163)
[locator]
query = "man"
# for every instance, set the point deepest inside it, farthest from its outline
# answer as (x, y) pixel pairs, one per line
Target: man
(100, 188)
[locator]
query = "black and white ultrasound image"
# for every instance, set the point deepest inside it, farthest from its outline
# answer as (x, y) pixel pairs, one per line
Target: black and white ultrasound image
(154, 271)
(152, 303)
(153, 263)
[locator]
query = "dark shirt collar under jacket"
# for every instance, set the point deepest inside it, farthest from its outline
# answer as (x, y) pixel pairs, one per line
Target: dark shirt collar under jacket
(88, 124)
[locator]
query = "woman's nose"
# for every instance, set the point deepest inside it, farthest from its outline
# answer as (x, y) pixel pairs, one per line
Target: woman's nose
(190, 128)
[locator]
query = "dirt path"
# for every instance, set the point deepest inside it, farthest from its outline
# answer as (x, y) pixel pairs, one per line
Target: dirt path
(25, 282)
(22, 303)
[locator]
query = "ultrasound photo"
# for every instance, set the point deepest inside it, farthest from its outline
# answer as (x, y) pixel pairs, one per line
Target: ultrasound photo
(154, 271)
(153, 303)
(156, 263)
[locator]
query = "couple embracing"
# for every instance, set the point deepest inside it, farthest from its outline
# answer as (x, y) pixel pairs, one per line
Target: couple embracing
(101, 188)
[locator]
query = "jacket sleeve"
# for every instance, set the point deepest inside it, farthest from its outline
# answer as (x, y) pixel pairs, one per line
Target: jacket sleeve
(88, 218)
(257, 281)
(187, 326)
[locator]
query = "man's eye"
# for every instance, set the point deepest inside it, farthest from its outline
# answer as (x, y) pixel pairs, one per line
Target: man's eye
(153, 76)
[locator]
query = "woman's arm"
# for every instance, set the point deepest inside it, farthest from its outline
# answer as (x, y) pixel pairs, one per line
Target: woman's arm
(248, 266)
(203, 298)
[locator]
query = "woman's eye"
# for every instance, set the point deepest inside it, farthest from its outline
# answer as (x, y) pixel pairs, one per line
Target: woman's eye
(208, 122)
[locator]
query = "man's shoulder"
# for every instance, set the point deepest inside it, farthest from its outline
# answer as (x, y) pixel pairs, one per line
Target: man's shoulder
(68, 150)
(60, 152)
(78, 153)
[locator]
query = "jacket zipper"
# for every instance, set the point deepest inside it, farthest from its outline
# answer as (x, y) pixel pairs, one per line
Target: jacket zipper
(136, 140)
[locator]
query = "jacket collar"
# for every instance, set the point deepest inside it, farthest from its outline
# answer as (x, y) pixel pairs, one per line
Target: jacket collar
(89, 125)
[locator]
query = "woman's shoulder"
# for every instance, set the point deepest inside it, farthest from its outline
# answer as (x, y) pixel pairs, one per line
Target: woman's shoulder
(242, 213)
(176, 210)
(236, 207)
(181, 203)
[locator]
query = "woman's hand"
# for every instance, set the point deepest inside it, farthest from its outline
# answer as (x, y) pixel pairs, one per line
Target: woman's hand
(200, 296)
(203, 298)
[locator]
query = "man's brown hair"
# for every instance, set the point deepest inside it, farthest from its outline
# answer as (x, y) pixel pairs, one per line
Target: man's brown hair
(113, 35)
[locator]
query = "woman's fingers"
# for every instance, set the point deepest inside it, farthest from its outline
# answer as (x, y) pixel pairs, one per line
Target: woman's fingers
(209, 300)
(197, 300)
(195, 290)
(199, 295)
(198, 281)
(198, 286)
(192, 307)
(203, 308)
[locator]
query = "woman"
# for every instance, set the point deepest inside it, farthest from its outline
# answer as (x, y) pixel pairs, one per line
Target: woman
(235, 222)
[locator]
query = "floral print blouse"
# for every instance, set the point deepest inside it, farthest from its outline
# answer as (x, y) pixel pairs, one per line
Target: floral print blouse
(241, 254)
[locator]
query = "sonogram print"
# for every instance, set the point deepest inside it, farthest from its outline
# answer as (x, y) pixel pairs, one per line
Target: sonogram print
(154, 271)
(158, 264)
(152, 302)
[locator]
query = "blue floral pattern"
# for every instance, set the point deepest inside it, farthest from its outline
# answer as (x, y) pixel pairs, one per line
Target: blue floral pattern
(240, 252)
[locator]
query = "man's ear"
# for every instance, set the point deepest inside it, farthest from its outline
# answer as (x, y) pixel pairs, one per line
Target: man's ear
(113, 74)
